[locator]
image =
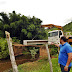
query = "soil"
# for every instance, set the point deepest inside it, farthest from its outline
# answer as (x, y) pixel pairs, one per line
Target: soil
(6, 63)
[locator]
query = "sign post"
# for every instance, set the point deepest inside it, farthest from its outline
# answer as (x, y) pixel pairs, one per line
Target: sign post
(49, 59)
(12, 58)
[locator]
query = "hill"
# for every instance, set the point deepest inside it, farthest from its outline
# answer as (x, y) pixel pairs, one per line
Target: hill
(68, 27)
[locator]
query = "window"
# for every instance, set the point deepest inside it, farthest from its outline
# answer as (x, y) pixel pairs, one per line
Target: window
(70, 38)
(53, 34)
(60, 33)
(50, 35)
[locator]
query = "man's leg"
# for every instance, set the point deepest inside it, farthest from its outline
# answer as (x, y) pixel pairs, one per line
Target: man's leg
(62, 68)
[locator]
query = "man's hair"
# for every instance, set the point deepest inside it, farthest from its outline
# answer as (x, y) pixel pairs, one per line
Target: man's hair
(64, 38)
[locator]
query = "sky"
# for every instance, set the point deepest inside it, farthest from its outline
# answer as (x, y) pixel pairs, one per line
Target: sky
(58, 12)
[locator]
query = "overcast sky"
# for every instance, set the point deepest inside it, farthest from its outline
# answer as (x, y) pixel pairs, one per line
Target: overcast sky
(58, 12)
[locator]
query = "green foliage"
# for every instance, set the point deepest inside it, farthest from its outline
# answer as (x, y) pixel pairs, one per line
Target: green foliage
(67, 33)
(71, 33)
(14, 39)
(1, 33)
(52, 46)
(68, 27)
(1, 25)
(5, 19)
(24, 31)
(3, 48)
(6, 26)
(29, 35)
(25, 52)
(22, 27)
(54, 51)
(31, 27)
(12, 25)
(33, 52)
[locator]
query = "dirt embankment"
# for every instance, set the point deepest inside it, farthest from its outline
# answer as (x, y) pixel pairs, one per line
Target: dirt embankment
(6, 63)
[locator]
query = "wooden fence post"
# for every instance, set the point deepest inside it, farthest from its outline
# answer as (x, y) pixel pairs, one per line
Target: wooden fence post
(49, 59)
(11, 53)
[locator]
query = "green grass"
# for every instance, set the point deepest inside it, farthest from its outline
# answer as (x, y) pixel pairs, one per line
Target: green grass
(40, 66)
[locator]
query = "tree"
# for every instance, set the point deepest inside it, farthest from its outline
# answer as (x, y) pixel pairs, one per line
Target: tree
(5, 18)
(22, 27)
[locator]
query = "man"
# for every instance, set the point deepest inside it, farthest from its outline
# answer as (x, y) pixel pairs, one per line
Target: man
(65, 55)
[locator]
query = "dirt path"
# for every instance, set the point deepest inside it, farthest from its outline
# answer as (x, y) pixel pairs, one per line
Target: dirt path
(6, 64)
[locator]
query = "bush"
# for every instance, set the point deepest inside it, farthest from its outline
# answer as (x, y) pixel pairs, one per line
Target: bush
(33, 52)
(54, 51)
(3, 48)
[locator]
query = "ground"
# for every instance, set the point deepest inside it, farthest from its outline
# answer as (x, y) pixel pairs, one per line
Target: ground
(40, 66)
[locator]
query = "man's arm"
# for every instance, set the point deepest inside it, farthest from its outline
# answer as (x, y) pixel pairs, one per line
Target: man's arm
(55, 44)
(68, 61)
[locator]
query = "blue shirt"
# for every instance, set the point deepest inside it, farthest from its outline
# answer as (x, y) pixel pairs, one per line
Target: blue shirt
(63, 54)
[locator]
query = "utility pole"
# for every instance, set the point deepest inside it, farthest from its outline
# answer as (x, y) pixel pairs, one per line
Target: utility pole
(11, 53)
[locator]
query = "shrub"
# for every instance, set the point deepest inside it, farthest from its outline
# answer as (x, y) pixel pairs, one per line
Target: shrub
(3, 48)
(33, 52)
(54, 51)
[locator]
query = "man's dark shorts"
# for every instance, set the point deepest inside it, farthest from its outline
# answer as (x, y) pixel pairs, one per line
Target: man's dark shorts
(62, 68)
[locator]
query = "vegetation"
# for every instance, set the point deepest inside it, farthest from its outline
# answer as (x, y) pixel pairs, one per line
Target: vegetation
(40, 66)
(3, 48)
(53, 49)
(68, 27)
(33, 52)
(26, 28)
(14, 39)
(21, 27)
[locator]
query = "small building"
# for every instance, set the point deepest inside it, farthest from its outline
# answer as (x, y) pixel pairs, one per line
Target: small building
(19, 48)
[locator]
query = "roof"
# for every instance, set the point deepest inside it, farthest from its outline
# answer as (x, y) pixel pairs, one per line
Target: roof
(51, 25)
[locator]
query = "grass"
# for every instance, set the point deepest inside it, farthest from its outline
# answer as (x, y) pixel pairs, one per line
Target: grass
(40, 66)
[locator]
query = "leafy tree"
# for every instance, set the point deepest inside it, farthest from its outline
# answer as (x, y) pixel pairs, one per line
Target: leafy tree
(22, 27)
(14, 17)
(5, 18)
